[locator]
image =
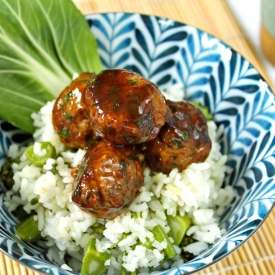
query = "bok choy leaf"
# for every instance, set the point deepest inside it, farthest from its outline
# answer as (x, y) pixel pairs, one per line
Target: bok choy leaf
(42, 44)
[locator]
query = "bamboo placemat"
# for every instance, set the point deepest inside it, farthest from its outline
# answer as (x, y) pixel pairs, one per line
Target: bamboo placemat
(257, 255)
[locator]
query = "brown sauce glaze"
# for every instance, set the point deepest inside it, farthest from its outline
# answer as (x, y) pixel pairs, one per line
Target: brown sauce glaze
(70, 115)
(183, 140)
(124, 107)
(113, 115)
(108, 179)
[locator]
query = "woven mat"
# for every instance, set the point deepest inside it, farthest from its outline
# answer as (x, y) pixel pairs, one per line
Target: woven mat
(257, 255)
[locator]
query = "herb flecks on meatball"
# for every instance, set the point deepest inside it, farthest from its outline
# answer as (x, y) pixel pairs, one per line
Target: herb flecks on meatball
(108, 179)
(183, 140)
(70, 115)
(124, 107)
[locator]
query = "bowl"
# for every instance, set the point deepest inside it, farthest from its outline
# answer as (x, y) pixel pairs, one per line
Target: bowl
(168, 52)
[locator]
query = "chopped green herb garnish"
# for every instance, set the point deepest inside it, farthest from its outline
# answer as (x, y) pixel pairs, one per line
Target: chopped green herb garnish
(133, 81)
(133, 157)
(177, 142)
(184, 135)
(98, 228)
(67, 116)
(129, 139)
(66, 98)
(204, 110)
(34, 200)
(65, 132)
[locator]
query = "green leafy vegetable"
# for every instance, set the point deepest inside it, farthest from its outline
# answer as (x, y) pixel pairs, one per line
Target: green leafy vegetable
(179, 225)
(42, 44)
(161, 236)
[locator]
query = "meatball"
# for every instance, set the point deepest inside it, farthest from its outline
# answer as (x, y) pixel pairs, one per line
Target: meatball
(108, 179)
(183, 140)
(70, 115)
(124, 107)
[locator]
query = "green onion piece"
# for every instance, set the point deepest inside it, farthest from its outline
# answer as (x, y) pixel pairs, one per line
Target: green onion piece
(178, 227)
(123, 271)
(65, 133)
(93, 262)
(133, 81)
(67, 116)
(204, 110)
(184, 135)
(40, 160)
(161, 236)
(148, 244)
(34, 200)
(66, 98)
(28, 231)
(98, 228)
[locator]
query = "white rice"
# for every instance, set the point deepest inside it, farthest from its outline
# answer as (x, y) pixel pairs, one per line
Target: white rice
(67, 230)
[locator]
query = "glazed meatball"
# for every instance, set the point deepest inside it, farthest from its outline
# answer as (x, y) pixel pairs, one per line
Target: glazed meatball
(70, 115)
(108, 179)
(183, 140)
(124, 107)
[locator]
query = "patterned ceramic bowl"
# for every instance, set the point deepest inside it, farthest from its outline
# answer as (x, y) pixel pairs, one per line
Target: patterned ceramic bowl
(169, 52)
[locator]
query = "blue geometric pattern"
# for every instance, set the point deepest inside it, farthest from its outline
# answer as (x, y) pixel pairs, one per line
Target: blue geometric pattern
(168, 52)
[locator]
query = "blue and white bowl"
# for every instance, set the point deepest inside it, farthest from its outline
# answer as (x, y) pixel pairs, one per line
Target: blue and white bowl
(168, 52)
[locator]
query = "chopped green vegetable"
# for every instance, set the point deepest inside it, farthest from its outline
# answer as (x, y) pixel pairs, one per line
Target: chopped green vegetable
(204, 110)
(123, 271)
(43, 43)
(133, 157)
(65, 133)
(7, 174)
(177, 142)
(93, 261)
(67, 116)
(178, 227)
(184, 135)
(40, 160)
(161, 236)
(148, 244)
(28, 231)
(34, 200)
(133, 81)
(98, 228)
(66, 98)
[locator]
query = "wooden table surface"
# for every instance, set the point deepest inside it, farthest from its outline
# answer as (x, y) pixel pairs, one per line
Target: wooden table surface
(257, 255)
